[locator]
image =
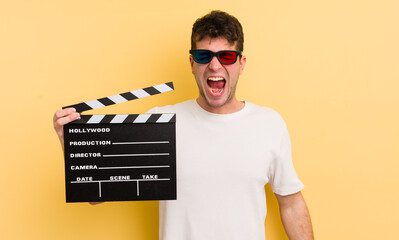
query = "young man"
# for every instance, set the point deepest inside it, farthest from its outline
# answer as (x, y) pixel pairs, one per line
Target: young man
(227, 150)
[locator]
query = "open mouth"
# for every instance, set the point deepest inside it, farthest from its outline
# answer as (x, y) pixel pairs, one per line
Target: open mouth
(216, 85)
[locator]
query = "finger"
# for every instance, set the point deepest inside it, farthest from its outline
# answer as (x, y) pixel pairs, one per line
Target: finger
(69, 118)
(64, 112)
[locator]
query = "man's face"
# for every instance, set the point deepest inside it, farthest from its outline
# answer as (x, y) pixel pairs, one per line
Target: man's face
(216, 81)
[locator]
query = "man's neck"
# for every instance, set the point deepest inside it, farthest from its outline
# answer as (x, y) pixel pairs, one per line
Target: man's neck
(231, 106)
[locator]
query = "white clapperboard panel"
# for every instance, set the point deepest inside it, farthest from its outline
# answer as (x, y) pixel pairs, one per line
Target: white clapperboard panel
(121, 157)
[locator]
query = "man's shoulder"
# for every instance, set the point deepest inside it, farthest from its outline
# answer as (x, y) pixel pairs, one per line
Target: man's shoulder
(175, 108)
(263, 112)
(265, 117)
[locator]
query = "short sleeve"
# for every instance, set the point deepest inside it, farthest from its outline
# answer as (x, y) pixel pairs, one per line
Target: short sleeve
(282, 176)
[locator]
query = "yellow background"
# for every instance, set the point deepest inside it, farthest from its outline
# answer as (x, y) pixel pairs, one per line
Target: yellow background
(331, 68)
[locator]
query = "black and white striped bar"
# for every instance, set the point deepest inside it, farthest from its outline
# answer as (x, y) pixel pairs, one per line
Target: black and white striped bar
(126, 118)
(123, 97)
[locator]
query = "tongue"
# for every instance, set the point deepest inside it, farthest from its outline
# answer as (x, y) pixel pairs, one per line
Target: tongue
(216, 84)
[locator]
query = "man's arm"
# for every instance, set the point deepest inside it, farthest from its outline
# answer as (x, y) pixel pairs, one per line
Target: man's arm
(295, 217)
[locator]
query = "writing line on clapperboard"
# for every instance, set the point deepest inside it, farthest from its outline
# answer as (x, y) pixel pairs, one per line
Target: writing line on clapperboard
(119, 98)
(128, 180)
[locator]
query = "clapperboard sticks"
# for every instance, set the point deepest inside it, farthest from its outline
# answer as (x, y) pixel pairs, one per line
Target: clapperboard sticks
(127, 118)
(123, 97)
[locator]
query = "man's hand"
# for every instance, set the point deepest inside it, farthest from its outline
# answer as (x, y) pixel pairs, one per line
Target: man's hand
(295, 217)
(62, 117)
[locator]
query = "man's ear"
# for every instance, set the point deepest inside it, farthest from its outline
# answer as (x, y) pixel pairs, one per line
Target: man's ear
(243, 61)
(191, 61)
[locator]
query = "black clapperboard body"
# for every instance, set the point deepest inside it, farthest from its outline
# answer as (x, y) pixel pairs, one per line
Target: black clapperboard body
(125, 157)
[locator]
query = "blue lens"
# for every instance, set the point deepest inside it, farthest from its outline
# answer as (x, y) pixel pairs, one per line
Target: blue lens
(203, 56)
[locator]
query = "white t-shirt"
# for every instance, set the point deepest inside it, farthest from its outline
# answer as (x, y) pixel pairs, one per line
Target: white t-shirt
(224, 162)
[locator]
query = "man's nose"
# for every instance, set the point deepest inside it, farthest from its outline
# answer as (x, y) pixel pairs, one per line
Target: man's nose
(214, 64)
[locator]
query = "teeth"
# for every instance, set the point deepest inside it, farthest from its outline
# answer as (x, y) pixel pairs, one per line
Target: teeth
(215, 78)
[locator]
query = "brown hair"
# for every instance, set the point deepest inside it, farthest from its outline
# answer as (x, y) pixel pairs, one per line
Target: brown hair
(218, 24)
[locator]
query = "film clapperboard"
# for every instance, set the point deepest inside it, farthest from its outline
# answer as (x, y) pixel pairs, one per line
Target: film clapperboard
(127, 157)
